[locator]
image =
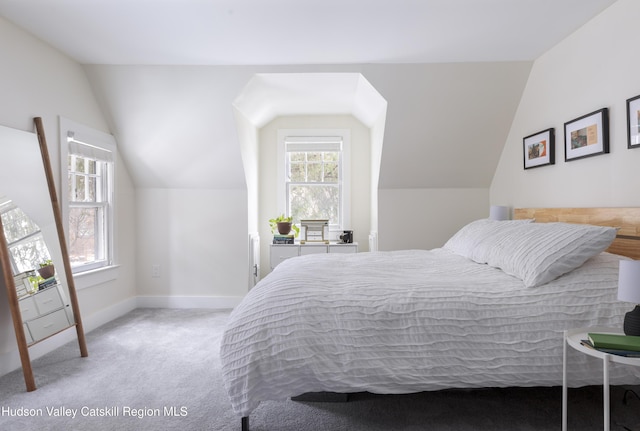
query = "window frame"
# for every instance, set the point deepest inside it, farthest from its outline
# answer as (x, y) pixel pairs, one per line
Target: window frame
(102, 205)
(7, 205)
(345, 171)
(70, 131)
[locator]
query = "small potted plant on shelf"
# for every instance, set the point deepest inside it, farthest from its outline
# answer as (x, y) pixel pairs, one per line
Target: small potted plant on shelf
(46, 269)
(283, 225)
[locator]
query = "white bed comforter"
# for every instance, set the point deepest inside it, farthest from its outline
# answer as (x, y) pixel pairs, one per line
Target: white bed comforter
(410, 321)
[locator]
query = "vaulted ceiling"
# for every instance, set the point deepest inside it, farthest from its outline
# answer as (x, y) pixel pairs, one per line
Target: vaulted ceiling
(168, 71)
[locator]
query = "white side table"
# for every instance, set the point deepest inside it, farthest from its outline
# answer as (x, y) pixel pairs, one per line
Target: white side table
(573, 338)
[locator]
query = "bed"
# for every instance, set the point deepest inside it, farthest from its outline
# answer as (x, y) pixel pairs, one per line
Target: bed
(488, 309)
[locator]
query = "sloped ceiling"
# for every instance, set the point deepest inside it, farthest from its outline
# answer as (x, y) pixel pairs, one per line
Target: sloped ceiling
(445, 126)
(167, 73)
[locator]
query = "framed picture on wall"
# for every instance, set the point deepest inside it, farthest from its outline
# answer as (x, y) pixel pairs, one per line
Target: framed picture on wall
(633, 122)
(587, 136)
(539, 149)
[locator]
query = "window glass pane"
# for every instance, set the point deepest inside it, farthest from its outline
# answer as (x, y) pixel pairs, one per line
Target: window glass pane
(84, 235)
(315, 202)
(314, 156)
(79, 191)
(78, 164)
(17, 225)
(331, 156)
(28, 254)
(25, 242)
(331, 172)
(90, 193)
(298, 172)
(297, 157)
(314, 172)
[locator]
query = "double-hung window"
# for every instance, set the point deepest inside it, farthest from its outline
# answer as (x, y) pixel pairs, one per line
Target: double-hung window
(89, 198)
(314, 178)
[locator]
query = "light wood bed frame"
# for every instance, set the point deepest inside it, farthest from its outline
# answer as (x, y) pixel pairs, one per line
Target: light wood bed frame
(626, 219)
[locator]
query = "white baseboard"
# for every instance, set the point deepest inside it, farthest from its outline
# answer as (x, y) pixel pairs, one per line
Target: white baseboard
(108, 314)
(212, 302)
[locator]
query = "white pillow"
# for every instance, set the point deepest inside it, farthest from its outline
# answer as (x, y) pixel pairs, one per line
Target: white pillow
(540, 252)
(470, 236)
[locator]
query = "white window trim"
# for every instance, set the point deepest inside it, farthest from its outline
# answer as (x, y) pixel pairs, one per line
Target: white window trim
(84, 133)
(346, 169)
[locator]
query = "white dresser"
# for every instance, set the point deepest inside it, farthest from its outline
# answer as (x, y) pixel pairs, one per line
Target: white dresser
(43, 314)
(280, 252)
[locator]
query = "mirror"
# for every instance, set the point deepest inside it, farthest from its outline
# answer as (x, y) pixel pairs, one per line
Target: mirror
(41, 304)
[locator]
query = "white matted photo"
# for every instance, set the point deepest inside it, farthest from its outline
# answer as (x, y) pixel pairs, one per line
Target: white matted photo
(539, 149)
(587, 135)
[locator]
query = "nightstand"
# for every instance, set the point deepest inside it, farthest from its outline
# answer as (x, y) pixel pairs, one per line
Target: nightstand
(573, 338)
(280, 252)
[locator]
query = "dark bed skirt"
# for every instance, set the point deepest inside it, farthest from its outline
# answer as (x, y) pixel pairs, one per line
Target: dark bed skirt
(309, 397)
(322, 397)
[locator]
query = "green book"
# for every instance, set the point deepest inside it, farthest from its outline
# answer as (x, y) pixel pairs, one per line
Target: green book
(615, 341)
(627, 353)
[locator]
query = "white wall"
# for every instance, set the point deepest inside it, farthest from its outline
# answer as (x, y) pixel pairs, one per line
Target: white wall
(445, 126)
(360, 174)
(38, 81)
(596, 67)
(198, 238)
(439, 155)
(427, 218)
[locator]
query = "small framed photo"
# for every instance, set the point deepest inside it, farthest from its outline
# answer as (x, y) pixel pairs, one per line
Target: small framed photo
(587, 136)
(539, 149)
(633, 122)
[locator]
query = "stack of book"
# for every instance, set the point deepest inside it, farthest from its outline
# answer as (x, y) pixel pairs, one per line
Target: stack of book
(283, 239)
(51, 281)
(23, 285)
(615, 344)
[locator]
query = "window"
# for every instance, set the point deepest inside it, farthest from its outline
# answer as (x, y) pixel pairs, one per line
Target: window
(315, 185)
(25, 242)
(89, 198)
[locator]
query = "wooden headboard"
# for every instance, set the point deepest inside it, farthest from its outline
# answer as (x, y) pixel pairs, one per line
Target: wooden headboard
(627, 220)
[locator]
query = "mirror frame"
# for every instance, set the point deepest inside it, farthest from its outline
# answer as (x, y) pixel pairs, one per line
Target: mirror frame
(5, 266)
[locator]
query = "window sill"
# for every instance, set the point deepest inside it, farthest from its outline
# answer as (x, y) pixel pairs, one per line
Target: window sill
(95, 277)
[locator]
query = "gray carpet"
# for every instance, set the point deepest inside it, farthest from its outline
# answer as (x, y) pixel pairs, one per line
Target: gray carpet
(163, 365)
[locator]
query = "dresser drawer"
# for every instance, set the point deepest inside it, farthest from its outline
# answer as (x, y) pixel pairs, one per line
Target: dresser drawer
(48, 324)
(280, 253)
(312, 249)
(48, 300)
(28, 309)
(343, 248)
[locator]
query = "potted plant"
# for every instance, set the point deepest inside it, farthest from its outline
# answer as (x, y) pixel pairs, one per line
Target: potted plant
(46, 269)
(284, 225)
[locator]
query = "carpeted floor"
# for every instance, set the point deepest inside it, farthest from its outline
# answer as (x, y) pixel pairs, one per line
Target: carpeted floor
(158, 369)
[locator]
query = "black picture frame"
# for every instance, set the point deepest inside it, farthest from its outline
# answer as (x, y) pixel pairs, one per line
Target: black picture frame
(539, 149)
(633, 122)
(587, 136)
